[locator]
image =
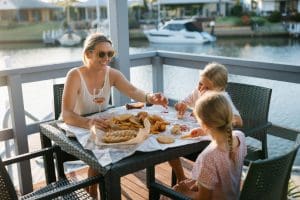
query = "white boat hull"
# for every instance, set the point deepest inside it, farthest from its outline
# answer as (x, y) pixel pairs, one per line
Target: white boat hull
(69, 39)
(179, 37)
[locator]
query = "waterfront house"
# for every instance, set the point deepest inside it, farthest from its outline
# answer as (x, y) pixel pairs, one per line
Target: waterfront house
(28, 11)
(186, 8)
(265, 7)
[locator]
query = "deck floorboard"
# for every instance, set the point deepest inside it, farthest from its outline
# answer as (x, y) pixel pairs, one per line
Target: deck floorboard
(133, 185)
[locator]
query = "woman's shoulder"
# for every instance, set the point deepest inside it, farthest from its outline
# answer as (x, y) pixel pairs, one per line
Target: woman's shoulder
(74, 73)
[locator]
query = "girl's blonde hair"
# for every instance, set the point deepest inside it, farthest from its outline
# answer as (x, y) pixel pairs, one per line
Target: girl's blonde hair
(91, 41)
(214, 110)
(217, 73)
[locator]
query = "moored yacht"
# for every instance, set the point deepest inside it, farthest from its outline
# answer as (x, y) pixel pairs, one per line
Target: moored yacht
(180, 32)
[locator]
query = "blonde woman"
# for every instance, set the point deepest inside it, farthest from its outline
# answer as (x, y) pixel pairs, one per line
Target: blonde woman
(216, 173)
(81, 82)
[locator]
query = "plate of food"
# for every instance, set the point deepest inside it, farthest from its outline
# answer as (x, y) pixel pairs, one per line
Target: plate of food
(124, 129)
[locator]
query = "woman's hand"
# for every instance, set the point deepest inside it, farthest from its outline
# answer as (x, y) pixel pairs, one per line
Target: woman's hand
(157, 98)
(99, 123)
(180, 107)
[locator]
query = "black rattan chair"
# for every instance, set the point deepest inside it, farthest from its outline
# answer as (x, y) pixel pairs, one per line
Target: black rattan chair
(253, 103)
(58, 90)
(266, 179)
(61, 189)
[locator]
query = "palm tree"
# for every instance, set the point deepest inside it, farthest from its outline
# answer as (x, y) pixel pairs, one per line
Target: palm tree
(67, 4)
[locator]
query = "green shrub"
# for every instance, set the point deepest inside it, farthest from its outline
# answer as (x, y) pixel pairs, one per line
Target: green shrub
(260, 21)
(237, 10)
(275, 16)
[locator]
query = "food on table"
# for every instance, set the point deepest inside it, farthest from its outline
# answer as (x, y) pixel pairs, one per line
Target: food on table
(164, 139)
(176, 129)
(184, 128)
(142, 115)
(192, 134)
(135, 122)
(136, 105)
(119, 136)
(180, 116)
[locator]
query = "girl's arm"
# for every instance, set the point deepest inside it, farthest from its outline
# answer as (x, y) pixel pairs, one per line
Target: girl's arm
(201, 193)
(237, 121)
(124, 86)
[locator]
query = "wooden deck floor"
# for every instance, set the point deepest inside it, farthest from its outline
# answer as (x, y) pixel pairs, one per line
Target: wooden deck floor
(133, 186)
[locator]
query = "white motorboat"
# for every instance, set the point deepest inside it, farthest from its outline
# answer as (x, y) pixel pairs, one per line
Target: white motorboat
(180, 32)
(69, 39)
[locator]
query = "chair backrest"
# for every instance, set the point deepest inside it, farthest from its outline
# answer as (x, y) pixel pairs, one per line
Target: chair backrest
(7, 189)
(57, 94)
(268, 179)
(252, 102)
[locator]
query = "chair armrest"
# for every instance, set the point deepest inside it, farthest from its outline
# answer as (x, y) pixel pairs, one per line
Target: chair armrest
(73, 186)
(168, 191)
(259, 128)
(30, 155)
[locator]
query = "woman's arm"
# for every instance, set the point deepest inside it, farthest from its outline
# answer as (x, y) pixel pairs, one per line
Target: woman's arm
(124, 86)
(70, 94)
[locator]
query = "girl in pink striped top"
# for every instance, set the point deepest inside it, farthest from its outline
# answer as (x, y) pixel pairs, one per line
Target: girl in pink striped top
(217, 171)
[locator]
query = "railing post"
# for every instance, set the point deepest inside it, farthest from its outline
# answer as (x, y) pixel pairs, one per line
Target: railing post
(19, 126)
(118, 23)
(157, 74)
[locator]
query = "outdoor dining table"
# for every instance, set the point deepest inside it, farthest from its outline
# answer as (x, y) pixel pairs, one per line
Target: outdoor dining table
(110, 161)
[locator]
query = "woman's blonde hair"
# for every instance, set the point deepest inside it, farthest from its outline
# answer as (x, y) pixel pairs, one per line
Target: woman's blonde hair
(217, 73)
(214, 110)
(91, 41)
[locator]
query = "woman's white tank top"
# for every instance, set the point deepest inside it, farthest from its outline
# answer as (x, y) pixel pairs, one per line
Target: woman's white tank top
(85, 104)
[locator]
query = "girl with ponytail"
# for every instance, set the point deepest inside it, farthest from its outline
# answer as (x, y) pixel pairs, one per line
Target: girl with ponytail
(217, 171)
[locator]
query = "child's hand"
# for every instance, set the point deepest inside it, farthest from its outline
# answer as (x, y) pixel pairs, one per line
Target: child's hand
(181, 187)
(197, 132)
(180, 107)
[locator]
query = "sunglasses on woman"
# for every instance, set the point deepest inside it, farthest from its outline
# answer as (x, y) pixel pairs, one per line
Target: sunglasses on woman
(103, 54)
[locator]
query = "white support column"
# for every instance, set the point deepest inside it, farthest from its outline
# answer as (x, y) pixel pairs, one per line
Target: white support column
(157, 74)
(19, 127)
(118, 18)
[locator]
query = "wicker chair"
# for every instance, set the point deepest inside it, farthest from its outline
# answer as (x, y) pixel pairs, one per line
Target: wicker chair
(253, 103)
(61, 189)
(266, 179)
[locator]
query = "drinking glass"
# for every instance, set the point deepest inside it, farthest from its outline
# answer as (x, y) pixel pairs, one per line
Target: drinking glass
(98, 97)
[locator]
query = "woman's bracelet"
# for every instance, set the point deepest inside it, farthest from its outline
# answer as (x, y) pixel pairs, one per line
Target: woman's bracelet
(146, 97)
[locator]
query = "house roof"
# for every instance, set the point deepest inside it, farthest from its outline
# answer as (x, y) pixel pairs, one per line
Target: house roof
(90, 3)
(193, 1)
(24, 4)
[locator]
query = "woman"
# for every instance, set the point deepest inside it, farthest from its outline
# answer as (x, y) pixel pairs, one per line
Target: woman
(78, 97)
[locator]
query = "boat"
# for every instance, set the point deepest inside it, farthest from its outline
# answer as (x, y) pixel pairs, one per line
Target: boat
(180, 32)
(69, 39)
